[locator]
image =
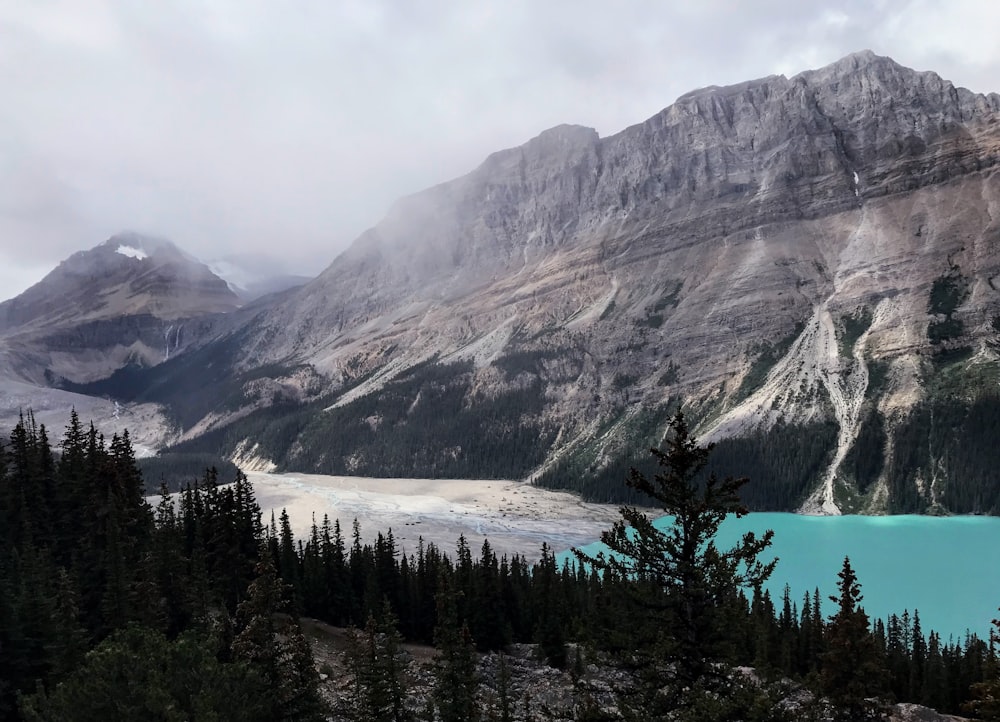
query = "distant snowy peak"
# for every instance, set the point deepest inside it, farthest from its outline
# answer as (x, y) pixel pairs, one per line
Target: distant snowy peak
(141, 247)
(127, 275)
(252, 277)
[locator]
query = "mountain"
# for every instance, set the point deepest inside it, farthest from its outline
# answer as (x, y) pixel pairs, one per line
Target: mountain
(130, 302)
(127, 275)
(808, 264)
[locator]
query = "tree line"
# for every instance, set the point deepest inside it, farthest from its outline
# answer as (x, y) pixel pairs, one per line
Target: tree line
(113, 609)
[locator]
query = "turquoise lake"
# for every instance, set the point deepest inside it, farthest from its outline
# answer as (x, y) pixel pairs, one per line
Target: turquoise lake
(948, 568)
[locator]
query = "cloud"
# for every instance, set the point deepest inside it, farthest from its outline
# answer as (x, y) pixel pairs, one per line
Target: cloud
(289, 129)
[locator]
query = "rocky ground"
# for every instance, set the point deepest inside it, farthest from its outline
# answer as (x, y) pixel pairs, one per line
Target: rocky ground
(538, 692)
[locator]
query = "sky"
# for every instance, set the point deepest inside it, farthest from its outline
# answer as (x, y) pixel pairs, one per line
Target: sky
(286, 129)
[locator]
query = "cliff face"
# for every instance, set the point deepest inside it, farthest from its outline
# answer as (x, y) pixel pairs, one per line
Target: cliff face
(717, 172)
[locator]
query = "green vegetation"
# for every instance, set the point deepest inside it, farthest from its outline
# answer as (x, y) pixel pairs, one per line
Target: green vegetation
(527, 361)
(623, 381)
(670, 376)
(946, 330)
(670, 297)
(985, 702)
(866, 458)
(596, 472)
(111, 610)
(189, 386)
(783, 463)
(853, 326)
(852, 673)
(685, 582)
(175, 471)
(426, 422)
(950, 360)
(768, 355)
(163, 680)
(948, 439)
(947, 293)
(653, 320)
(953, 439)
(878, 378)
(952, 373)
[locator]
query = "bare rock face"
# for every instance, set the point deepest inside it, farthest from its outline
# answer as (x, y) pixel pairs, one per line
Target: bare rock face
(908, 712)
(707, 185)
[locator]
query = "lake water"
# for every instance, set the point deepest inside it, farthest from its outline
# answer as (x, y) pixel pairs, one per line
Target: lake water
(948, 568)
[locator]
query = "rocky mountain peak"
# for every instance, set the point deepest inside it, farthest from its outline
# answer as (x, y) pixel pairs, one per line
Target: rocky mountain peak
(123, 300)
(127, 274)
(734, 144)
(560, 140)
(852, 63)
(141, 247)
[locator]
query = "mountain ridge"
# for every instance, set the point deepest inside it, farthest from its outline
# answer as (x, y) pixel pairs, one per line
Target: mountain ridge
(812, 254)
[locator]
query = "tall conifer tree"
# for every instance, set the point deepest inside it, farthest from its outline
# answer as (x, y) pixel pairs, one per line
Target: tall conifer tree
(687, 583)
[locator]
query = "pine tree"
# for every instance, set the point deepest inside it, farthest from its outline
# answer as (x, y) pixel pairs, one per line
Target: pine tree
(137, 674)
(505, 705)
(852, 673)
(72, 496)
(985, 702)
(455, 668)
(933, 694)
(548, 615)
(918, 658)
(280, 655)
(687, 584)
(489, 614)
(374, 657)
(335, 569)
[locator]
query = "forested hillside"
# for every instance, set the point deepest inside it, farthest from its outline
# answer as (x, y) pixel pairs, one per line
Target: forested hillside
(111, 609)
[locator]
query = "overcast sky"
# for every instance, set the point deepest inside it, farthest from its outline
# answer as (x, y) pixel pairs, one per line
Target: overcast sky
(287, 128)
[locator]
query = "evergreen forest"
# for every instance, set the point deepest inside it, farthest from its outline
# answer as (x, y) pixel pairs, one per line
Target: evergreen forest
(192, 607)
(434, 420)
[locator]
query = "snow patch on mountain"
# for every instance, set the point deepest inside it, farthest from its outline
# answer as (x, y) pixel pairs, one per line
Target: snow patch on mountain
(132, 252)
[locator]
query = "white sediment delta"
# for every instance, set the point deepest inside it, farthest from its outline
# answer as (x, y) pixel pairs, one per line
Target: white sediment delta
(515, 516)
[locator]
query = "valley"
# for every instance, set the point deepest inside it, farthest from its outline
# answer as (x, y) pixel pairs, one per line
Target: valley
(805, 264)
(532, 362)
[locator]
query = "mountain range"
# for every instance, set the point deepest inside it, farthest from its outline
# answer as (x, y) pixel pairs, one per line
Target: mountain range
(806, 265)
